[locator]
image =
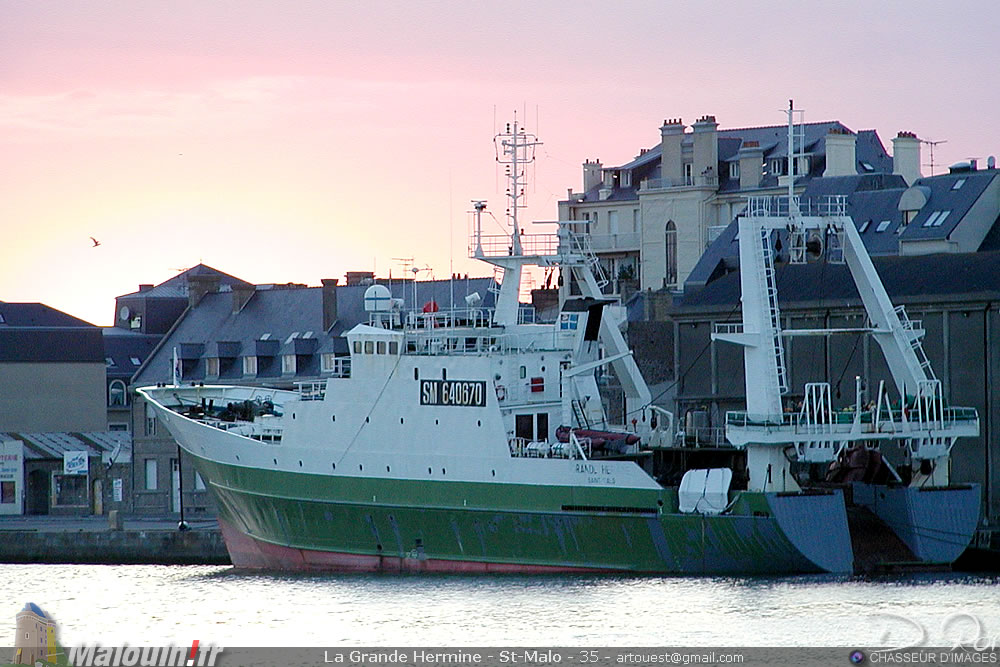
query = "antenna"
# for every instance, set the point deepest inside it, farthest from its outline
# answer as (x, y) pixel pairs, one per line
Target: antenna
(515, 148)
(932, 144)
(793, 157)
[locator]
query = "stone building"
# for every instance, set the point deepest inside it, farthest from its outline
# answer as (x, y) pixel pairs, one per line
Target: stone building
(652, 218)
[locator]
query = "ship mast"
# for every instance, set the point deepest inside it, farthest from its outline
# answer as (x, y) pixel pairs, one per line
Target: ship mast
(515, 149)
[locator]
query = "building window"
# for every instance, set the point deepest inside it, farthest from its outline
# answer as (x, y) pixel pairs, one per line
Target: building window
(121, 428)
(199, 483)
(69, 489)
(734, 170)
(612, 222)
(288, 363)
(671, 239)
(150, 413)
(212, 366)
(116, 393)
(150, 466)
(688, 174)
(635, 221)
(249, 365)
(931, 221)
(7, 495)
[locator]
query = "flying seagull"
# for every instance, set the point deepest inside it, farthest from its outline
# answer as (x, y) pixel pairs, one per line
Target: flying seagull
(96, 242)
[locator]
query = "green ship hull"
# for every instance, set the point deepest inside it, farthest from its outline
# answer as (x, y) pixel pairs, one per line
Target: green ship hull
(293, 521)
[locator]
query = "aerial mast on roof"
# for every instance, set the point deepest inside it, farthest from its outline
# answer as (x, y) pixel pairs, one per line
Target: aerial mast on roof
(932, 144)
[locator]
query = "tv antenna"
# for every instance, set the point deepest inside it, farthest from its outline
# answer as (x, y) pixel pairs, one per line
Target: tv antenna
(932, 144)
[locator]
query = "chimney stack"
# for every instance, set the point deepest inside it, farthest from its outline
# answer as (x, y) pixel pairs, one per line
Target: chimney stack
(329, 290)
(591, 174)
(242, 294)
(671, 157)
(200, 285)
(751, 157)
(841, 153)
(906, 156)
(706, 151)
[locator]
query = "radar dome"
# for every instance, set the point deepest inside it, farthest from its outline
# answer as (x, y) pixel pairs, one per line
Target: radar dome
(378, 299)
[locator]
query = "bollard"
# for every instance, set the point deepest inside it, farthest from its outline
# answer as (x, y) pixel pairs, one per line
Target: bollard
(114, 520)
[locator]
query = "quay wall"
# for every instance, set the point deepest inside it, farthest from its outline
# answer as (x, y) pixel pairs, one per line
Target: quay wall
(119, 547)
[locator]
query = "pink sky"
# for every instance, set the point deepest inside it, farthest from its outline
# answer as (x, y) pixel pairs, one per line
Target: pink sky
(295, 141)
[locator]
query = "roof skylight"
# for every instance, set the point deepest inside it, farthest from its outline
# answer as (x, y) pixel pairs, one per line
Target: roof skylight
(884, 225)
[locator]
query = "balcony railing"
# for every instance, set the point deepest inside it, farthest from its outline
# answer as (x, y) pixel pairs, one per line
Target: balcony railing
(628, 241)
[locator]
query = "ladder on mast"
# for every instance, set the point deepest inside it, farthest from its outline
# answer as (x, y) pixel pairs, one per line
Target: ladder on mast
(769, 289)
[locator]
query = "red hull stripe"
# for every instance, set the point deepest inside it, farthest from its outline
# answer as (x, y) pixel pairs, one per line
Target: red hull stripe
(249, 553)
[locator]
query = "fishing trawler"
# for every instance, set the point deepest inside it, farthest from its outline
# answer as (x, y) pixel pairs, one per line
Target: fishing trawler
(467, 440)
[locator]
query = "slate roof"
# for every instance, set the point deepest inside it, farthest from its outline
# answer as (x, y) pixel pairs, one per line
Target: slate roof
(51, 344)
(121, 346)
(773, 140)
(945, 198)
(177, 286)
(286, 315)
(872, 199)
(36, 315)
(970, 276)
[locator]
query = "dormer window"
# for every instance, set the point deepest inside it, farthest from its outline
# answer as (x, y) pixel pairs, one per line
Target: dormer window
(626, 180)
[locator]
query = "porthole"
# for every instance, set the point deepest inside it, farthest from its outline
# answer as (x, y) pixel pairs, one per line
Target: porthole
(416, 374)
(300, 463)
(428, 471)
(333, 418)
(293, 415)
(400, 420)
(479, 422)
(494, 472)
(275, 461)
(333, 466)
(436, 422)
(360, 467)
(387, 468)
(443, 471)
(237, 457)
(367, 419)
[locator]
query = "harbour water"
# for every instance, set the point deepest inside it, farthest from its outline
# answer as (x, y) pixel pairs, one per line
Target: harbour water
(159, 605)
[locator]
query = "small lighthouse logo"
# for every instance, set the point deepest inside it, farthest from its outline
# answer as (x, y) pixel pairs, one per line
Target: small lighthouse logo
(35, 638)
